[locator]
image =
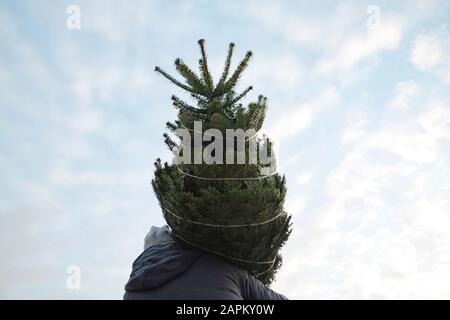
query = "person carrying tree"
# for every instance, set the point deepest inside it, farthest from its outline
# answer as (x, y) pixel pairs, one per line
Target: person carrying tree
(221, 197)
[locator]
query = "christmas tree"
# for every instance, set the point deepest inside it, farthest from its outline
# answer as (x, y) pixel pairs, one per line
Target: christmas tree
(231, 203)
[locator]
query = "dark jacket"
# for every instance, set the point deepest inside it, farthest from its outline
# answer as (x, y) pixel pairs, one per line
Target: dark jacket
(169, 271)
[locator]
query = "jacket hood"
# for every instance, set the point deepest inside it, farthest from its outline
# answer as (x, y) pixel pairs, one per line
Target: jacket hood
(158, 235)
(162, 260)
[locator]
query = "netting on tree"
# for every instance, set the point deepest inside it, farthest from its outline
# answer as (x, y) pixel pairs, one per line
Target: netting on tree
(234, 210)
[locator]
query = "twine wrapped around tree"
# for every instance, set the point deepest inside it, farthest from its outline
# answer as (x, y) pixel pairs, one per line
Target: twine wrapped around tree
(231, 210)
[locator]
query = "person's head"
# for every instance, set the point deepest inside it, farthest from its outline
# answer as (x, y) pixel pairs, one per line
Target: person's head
(158, 235)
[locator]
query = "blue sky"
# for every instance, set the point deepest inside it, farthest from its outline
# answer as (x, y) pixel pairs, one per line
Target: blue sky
(359, 109)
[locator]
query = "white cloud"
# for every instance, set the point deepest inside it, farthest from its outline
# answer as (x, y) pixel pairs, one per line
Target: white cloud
(84, 120)
(103, 83)
(436, 120)
(406, 140)
(404, 91)
(381, 232)
(280, 71)
(296, 119)
(426, 52)
(303, 178)
(116, 21)
(63, 174)
(278, 18)
(415, 139)
(359, 45)
(295, 205)
(355, 129)
(446, 76)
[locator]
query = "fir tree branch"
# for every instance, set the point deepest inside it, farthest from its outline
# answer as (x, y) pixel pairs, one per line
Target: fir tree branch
(257, 112)
(235, 77)
(191, 78)
(157, 164)
(173, 80)
(177, 102)
(226, 68)
(201, 101)
(204, 67)
(171, 126)
(230, 101)
(201, 66)
(239, 97)
(169, 142)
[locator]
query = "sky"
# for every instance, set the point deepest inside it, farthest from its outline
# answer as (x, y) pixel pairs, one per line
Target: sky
(359, 109)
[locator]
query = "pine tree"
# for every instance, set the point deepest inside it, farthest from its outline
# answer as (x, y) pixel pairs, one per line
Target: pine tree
(232, 210)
